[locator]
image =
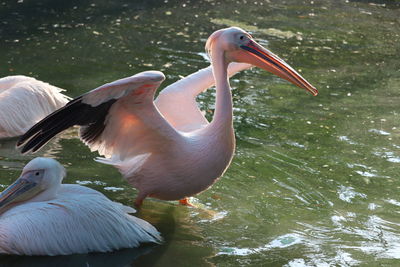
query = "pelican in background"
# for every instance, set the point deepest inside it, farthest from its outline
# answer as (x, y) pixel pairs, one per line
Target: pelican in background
(41, 216)
(166, 149)
(24, 101)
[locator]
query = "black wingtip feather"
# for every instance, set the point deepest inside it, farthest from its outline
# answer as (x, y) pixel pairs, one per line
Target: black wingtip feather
(74, 113)
(47, 121)
(91, 132)
(58, 121)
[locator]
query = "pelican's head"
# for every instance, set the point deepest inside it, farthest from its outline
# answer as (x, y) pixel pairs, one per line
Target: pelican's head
(239, 46)
(39, 181)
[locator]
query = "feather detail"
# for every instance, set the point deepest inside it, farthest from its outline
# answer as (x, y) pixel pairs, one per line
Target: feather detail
(24, 101)
(79, 220)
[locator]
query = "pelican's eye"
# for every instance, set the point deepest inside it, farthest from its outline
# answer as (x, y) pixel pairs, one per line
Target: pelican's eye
(243, 38)
(37, 174)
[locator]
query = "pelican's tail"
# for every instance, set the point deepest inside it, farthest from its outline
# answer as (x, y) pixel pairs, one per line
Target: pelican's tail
(127, 167)
(146, 231)
(107, 161)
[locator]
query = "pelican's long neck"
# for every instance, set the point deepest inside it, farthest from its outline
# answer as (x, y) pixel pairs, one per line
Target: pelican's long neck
(223, 108)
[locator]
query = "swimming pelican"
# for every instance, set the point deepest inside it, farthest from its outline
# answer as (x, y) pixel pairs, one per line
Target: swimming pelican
(41, 216)
(169, 159)
(24, 101)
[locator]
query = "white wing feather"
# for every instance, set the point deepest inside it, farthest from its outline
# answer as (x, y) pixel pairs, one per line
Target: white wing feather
(80, 220)
(133, 125)
(24, 101)
(122, 87)
(177, 102)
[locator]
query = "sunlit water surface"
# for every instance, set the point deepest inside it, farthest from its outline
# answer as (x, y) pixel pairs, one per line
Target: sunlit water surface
(314, 181)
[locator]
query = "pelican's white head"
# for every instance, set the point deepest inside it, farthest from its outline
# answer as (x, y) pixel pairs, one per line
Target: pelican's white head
(39, 181)
(228, 39)
(239, 46)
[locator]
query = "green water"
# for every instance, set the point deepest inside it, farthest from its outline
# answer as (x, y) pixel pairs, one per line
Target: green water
(314, 180)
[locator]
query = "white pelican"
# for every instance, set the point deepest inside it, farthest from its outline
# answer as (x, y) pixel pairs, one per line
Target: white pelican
(24, 101)
(173, 152)
(41, 216)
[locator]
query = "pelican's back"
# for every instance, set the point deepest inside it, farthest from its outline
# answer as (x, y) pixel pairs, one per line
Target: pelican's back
(80, 220)
(24, 101)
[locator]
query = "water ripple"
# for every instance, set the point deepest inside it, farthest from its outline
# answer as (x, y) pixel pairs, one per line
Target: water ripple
(279, 242)
(381, 132)
(347, 193)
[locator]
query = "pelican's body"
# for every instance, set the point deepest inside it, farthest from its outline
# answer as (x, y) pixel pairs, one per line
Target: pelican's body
(166, 149)
(24, 101)
(41, 216)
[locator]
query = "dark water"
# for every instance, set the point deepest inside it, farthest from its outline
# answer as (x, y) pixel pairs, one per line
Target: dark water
(315, 179)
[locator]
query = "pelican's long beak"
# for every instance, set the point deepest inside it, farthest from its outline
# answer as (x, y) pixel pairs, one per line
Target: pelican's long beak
(22, 189)
(265, 59)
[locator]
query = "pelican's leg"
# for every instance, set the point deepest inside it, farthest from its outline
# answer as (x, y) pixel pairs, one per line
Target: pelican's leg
(185, 202)
(139, 200)
(138, 203)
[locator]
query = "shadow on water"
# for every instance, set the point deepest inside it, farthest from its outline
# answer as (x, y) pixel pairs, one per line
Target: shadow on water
(183, 239)
(12, 159)
(116, 259)
(166, 226)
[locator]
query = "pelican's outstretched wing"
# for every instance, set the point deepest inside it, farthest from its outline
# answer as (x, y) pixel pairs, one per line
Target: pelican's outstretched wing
(118, 118)
(177, 102)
